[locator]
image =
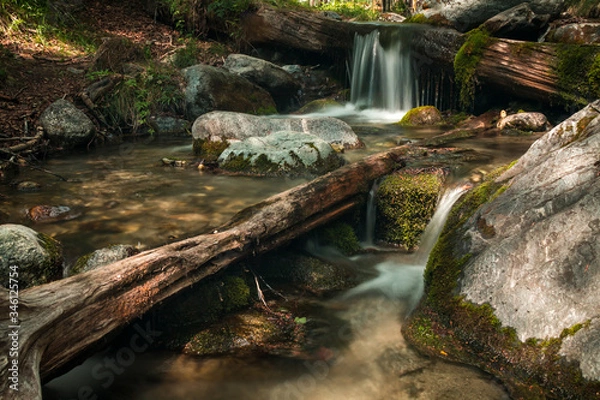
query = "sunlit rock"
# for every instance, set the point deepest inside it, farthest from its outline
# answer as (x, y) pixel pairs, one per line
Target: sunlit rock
(525, 121)
(29, 257)
(281, 153)
(577, 33)
(513, 285)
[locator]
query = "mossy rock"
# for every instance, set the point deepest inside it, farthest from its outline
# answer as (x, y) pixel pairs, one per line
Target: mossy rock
(209, 150)
(102, 257)
(422, 116)
(465, 64)
(306, 273)
(341, 236)
(405, 204)
(247, 332)
(32, 258)
(319, 105)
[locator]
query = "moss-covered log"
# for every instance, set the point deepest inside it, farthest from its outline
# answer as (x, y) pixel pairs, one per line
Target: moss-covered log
(61, 321)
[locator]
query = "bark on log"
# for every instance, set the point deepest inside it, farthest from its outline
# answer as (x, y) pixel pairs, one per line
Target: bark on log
(303, 30)
(60, 321)
(524, 69)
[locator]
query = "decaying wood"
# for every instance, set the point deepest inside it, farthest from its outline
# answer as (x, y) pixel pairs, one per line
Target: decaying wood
(18, 148)
(62, 320)
(303, 30)
(525, 69)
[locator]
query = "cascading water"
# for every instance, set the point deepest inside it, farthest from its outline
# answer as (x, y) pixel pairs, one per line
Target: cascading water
(402, 277)
(382, 71)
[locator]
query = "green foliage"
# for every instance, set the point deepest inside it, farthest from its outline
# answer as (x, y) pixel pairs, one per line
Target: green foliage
(405, 204)
(187, 55)
(135, 98)
(229, 9)
(360, 11)
(594, 77)
(465, 64)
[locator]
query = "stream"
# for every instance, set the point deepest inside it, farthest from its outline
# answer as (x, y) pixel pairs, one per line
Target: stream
(124, 195)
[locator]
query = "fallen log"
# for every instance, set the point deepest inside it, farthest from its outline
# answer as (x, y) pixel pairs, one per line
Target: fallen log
(58, 322)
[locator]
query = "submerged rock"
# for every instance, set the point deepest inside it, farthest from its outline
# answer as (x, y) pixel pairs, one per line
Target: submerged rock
(290, 153)
(512, 285)
(31, 258)
(210, 88)
(66, 125)
(46, 213)
(102, 257)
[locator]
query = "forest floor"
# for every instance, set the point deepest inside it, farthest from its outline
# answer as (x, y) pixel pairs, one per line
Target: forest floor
(36, 70)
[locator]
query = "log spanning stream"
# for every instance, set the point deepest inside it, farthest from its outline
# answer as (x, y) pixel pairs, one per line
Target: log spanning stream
(124, 195)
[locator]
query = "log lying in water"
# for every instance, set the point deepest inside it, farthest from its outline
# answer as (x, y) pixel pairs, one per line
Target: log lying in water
(60, 321)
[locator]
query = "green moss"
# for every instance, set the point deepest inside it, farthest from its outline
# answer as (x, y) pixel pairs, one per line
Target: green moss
(405, 204)
(269, 110)
(52, 270)
(318, 105)
(578, 71)
(210, 150)
(342, 236)
(465, 64)
(438, 325)
(417, 19)
(235, 293)
(424, 115)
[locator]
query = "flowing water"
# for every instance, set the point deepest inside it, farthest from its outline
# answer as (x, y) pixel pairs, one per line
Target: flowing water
(122, 194)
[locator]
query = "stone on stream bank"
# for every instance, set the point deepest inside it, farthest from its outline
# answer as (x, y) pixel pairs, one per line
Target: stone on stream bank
(30, 257)
(512, 285)
(65, 125)
(210, 88)
(102, 257)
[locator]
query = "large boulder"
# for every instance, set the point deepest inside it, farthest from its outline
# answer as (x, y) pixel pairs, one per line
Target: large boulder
(513, 283)
(281, 153)
(210, 88)
(468, 14)
(282, 85)
(519, 22)
(29, 257)
(66, 125)
(228, 126)
(576, 33)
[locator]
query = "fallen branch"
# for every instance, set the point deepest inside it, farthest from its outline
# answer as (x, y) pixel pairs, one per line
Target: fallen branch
(60, 321)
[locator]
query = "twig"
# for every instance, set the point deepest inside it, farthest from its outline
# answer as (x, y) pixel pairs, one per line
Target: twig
(261, 297)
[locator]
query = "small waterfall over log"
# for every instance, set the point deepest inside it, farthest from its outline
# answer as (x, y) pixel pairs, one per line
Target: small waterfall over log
(387, 74)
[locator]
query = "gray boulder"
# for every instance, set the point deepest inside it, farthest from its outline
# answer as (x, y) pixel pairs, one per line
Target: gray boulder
(169, 126)
(210, 88)
(66, 125)
(30, 257)
(286, 152)
(229, 126)
(519, 275)
(468, 14)
(519, 22)
(577, 33)
(525, 121)
(282, 86)
(102, 257)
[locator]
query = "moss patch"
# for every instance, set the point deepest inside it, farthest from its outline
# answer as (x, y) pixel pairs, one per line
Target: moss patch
(405, 204)
(465, 64)
(421, 116)
(438, 327)
(578, 70)
(342, 236)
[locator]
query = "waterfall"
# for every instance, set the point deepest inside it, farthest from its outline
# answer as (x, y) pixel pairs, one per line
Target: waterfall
(382, 71)
(402, 277)
(370, 217)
